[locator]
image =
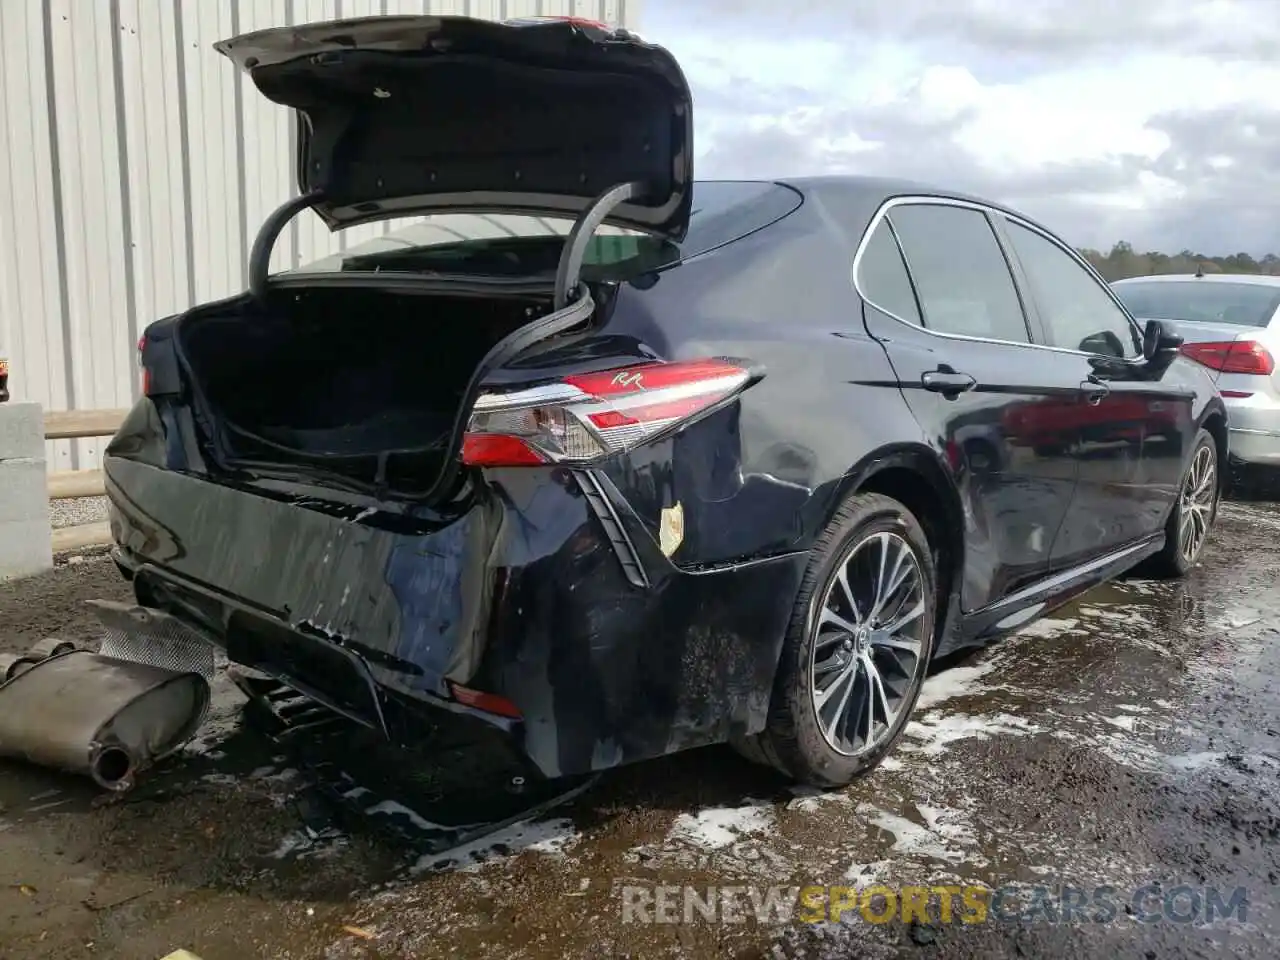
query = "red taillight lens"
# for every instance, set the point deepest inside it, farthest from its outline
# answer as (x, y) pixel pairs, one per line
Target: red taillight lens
(142, 366)
(585, 417)
(1232, 356)
(575, 21)
(488, 702)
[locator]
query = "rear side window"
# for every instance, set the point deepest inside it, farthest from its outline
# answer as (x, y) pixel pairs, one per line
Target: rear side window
(522, 245)
(882, 276)
(1075, 307)
(725, 210)
(960, 272)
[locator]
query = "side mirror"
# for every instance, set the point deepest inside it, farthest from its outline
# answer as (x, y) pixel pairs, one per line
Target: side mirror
(1159, 344)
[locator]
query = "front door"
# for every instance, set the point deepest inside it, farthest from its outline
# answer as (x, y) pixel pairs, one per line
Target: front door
(942, 301)
(1136, 424)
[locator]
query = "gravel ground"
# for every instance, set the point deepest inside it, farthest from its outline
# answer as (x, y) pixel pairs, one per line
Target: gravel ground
(1132, 738)
(71, 513)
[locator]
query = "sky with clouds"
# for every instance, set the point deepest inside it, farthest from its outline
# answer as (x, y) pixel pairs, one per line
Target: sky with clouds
(1152, 121)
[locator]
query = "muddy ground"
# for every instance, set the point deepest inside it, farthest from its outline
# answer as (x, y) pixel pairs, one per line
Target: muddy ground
(1131, 739)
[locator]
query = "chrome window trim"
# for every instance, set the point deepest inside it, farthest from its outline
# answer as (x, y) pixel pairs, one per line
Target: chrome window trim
(987, 211)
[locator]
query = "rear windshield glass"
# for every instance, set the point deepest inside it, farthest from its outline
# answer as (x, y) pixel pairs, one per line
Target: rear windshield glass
(523, 246)
(1247, 304)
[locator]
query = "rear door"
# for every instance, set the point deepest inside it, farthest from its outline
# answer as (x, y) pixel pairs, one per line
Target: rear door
(940, 296)
(1136, 424)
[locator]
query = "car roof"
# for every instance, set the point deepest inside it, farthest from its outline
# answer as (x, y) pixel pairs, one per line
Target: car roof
(871, 192)
(1255, 279)
(859, 197)
(884, 188)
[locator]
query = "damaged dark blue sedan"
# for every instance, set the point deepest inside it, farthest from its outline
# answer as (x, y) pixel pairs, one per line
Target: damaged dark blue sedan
(618, 463)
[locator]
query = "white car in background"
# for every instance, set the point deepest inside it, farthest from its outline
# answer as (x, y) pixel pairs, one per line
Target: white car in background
(1230, 323)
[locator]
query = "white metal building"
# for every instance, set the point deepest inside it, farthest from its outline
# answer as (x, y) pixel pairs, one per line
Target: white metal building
(135, 166)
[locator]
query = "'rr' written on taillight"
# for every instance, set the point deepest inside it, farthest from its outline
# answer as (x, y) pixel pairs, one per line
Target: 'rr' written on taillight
(585, 417)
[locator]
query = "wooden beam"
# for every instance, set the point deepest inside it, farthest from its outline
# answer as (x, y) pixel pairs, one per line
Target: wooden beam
(72, 424)
(73, 484)
(83, 536)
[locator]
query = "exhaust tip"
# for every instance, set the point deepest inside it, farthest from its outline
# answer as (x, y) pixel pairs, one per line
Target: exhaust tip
(112, 769)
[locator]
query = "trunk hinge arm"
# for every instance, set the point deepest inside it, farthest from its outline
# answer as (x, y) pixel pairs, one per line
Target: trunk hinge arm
(265, 241)
(575, 247)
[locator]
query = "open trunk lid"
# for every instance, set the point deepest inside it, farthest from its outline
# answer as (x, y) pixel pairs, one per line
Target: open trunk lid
(405, 116)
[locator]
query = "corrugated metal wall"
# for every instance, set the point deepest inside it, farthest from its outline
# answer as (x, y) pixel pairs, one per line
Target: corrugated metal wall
(136, 164)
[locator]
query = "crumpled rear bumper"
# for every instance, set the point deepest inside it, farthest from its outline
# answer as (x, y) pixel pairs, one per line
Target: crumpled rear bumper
(525, 597)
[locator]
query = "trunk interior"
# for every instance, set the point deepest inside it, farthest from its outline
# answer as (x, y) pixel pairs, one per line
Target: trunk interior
(356, 382)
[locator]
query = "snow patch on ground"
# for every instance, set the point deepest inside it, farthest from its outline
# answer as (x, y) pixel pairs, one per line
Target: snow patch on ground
(912, 839)
(718, 827)
(811, 799)
(956, 682)
(1196, 762)
(1048, 627)
(1124, 723)
(389, 808)
(290, 844)
(548, 837)
(933, 733)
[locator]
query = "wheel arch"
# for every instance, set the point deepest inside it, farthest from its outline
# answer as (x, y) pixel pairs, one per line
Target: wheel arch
(914, 476)
(1215, 421)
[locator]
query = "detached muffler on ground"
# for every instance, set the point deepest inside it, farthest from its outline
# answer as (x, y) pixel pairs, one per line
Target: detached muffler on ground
(96, 715)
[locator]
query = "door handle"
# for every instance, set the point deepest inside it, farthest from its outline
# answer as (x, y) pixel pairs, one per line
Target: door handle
(1095, 391)
(948, 382)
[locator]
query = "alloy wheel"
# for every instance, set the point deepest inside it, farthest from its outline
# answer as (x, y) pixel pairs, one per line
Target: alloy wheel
(868, 644)
(1199, 492)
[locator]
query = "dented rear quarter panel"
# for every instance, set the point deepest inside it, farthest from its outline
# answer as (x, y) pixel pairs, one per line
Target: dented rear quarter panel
(603, 671)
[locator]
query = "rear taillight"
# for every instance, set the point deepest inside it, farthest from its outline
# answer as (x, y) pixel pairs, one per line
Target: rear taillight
(1232, 356)
(588, 416)
(488, 702)
(573, 21)
(145, 374)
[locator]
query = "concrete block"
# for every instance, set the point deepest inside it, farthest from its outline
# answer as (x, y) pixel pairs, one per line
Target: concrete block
(24, 490)
(26, 548)
(21, 431)
(26, 543)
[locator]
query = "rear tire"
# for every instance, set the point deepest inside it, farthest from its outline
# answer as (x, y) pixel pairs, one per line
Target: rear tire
(1192, 518)
(857, 647)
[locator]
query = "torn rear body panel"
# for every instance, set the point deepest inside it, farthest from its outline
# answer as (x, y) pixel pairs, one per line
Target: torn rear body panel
(521, 591)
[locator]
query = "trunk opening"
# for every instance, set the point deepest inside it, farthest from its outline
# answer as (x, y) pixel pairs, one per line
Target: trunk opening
(369, 384)
(361, 383)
